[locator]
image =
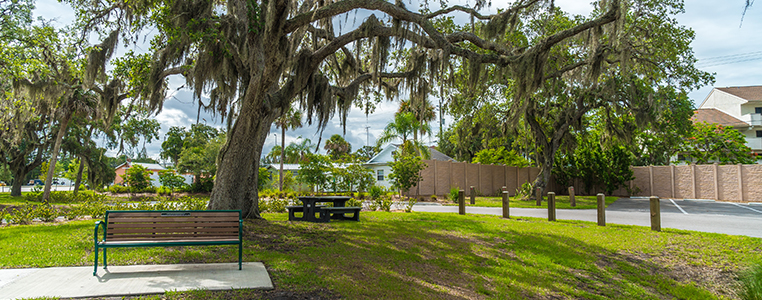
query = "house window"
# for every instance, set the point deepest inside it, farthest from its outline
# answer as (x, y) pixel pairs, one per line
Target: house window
(380, 175)
(758, 110)
(759, 133)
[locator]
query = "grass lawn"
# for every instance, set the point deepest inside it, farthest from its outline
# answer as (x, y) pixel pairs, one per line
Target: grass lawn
(434, 256)
(5, 198)
(562, 202)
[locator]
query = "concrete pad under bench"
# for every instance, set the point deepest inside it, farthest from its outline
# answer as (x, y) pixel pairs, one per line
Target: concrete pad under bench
(76, 282)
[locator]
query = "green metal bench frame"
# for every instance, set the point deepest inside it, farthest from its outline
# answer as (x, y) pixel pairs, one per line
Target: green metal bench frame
(168, 243)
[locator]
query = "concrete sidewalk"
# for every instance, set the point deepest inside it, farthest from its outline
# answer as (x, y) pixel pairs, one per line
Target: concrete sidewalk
(76, 282)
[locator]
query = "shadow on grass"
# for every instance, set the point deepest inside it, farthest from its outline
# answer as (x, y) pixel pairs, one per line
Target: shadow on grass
(420, 256)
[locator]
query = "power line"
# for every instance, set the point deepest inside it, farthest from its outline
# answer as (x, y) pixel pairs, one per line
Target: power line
(729, 59)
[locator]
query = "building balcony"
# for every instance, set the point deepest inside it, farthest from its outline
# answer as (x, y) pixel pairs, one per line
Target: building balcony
(752, 119)
(754, 143)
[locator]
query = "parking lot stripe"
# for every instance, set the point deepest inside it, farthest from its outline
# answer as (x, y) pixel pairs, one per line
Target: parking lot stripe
(749, 208)
(678, 206)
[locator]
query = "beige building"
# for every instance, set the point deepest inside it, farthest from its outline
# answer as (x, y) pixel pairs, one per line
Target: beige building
(737, 107)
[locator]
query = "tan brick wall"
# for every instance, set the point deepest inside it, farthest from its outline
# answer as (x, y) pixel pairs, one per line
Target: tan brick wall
(705, 182)
(662, 176)
(485, 182)
(443, 172)
(642, 181)
(428, 182)
(683, 182)
(729, 182)
(511, 179)
(498, 178)
(458, 175)
(472, 178)
(752, 181)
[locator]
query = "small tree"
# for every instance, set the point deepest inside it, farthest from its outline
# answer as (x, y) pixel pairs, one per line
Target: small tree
(138, 178)
(717, 143)
(170, 179)
(315, 170)
(406, 171)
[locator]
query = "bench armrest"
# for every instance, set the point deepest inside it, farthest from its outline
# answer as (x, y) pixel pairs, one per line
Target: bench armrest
(95, 232)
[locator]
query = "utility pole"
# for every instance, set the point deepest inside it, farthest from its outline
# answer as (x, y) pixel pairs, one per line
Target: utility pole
(367, 136)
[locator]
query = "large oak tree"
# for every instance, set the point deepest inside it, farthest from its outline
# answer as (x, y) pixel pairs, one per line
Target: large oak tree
(256, 59)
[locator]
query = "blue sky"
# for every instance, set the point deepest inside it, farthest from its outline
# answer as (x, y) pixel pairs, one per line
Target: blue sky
(725, 46)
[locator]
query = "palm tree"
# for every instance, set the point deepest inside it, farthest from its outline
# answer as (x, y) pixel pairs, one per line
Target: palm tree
(423, 112)
(291, 119)
(404, 125)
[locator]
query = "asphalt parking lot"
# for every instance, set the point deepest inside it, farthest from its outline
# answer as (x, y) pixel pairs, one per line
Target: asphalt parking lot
(689, 207)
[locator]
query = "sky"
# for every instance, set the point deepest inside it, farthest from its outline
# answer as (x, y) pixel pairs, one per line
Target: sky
(723, 44)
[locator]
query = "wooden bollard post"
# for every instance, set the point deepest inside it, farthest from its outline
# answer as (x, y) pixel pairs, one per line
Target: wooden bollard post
(655, 214)
(571, 197)
(462, 202)
(601, 210)
(551, 206)
(538, 200)
(473, 195)
(506, 205)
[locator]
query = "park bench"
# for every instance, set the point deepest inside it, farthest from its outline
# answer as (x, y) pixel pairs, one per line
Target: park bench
(168, 228)
(328, 213)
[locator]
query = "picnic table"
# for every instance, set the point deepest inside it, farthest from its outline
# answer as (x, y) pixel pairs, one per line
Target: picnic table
(310, 208)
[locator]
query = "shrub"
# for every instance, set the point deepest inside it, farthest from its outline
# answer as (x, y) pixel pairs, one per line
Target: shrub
(33, 196)
(354, 202)
(433, 198)
(453, 195)
(192, 203)
(164, 191)
(386, 203)
(118, 189)
(410, 203)
(525, 191)
(4, 215)
(22, 215)
(46, 213)
(751, 283)
(138, 178)
(375, 192)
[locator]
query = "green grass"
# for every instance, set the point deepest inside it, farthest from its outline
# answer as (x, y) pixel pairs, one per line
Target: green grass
(434, 256)
(7, 199)
(562, 202)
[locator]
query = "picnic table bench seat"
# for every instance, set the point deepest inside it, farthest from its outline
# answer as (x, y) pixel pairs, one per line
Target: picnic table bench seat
(168, 228)
(328, 213)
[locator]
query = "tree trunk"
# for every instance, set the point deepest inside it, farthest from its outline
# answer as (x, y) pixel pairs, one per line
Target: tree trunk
(235, 185)
(282, 156)
(18, 181)
(79, 175)
(546, 166)
(54, 158)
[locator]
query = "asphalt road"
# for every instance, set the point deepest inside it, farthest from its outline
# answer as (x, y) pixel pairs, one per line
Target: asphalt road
(705, 216)
(27, 188)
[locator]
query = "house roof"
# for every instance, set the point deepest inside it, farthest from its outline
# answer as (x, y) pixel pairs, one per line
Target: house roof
(748, 93)
(385, 155)
(713, 115)
(286, 167)
(148, 166)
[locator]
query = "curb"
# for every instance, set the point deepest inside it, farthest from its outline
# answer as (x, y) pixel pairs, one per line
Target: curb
(700, 200)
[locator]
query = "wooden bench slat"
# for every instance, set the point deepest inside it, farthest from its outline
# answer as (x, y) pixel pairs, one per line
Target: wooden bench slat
(167, 236)
(169, 230)
(158, 214)
(172, 219)
(172, 225)
(160, 241)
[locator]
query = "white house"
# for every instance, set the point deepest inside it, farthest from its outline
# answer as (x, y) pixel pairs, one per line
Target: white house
(737, 107)
(380, 163)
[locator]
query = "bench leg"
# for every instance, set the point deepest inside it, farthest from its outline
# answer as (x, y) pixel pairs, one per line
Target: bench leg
(95, 264)
(355, 216)
(325, 216)
(105, 259)
(240, 249)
